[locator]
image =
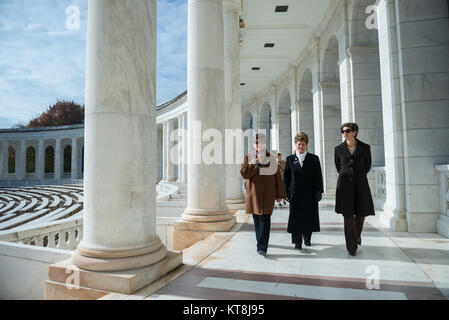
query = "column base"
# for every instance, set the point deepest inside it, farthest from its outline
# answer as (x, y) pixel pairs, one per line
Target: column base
(235, 204)
(67, 282)
(393, 219)
(443, 225)
(187, 233)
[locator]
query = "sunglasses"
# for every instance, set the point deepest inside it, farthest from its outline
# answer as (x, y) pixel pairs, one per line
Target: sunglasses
(347, 131)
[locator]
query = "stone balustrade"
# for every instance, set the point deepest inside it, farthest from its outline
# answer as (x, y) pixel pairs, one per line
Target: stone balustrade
(60, 234)
(443, 177)
(443, 181)
(380, 190)
(379, 187)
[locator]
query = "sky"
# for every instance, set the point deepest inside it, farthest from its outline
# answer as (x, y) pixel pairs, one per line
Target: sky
(42, 55)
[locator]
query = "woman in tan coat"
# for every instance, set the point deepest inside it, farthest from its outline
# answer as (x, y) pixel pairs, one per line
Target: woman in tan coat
(263, 187)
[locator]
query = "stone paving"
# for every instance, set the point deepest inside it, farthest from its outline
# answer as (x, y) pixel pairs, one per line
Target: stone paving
(388, 266)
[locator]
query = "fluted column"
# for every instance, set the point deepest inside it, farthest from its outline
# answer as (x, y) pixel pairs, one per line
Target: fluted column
(205, 89)
(58, 160)
(74, 158)
(40, 167)
(120, 138)
(234, 194)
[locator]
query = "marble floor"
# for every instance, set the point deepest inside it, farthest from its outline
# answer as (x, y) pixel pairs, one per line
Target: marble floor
(388, 266)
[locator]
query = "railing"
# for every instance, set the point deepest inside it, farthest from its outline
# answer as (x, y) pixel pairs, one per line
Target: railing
(61, 234)
(443, 180)
(380, 185)
(65, 233)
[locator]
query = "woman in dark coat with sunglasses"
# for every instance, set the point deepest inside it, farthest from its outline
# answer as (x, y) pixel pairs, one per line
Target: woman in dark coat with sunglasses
(353, 195)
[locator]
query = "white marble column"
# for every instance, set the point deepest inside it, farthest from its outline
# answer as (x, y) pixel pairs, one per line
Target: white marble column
(74, 158)
(415, 77)
(367, 99)
(274, 134)
(20, 170)
(184, 148)
(206, 187)
(5, 147)
(40, 163)
(306, 123)
(331, 137)
(180, 150)
(234, 194)
(58, 160)
(165, 154)
(120, 138)
(170, 151)
(160, 152)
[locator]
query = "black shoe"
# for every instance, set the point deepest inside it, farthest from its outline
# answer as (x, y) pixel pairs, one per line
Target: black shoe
(298, 246)
(308, 244)
(262, 253)
(354, 253)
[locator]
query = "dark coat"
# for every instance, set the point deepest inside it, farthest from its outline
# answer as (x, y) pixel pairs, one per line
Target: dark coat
(301, 186)
(353, 195)
(262, 189)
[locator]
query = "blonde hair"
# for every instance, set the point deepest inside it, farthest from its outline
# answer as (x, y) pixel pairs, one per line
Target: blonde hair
(302, 137)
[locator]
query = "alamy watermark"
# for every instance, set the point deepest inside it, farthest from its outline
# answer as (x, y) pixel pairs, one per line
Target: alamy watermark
(373, 279)
(73, 280)
(371, 21)
(72, 21)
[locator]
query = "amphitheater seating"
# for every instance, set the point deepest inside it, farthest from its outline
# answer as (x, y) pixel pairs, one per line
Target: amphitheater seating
(27, 206)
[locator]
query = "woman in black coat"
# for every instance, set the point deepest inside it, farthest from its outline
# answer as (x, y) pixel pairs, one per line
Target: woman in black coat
(353, 195)
(303, 183)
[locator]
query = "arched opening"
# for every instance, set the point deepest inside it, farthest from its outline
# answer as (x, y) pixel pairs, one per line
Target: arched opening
(49, 159)
(305, 108)
(67, 159)
(30, 160)
(285, 123)
(330, 91)
(11, 160)
(365, 78)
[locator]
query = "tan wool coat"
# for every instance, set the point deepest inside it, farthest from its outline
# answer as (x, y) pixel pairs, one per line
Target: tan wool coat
(261, 189)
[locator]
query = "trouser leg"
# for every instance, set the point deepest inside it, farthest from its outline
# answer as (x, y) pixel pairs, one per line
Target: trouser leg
(350, 234)
(296, 238)
(307, 237)
(264, 229)
(256, 226)
(358, 225)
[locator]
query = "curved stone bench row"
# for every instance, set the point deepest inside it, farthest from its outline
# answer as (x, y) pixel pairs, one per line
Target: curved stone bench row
(39, 204)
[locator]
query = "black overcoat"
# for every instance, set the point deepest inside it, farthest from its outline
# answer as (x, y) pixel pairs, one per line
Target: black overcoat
(353, 195)
(301, 185)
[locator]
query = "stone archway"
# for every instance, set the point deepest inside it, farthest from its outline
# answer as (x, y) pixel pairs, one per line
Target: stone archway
(30, 164)
(331, 107)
